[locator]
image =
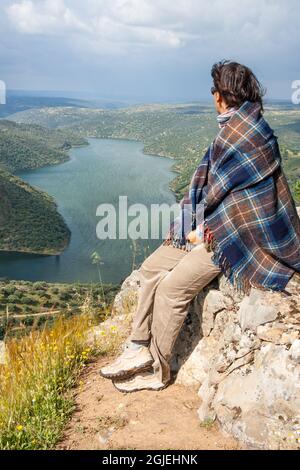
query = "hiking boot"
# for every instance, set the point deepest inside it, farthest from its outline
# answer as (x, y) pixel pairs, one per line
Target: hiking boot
(143, 381)
(135, 358)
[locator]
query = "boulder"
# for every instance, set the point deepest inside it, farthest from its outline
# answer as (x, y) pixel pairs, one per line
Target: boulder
(242, 354)
(256, 310)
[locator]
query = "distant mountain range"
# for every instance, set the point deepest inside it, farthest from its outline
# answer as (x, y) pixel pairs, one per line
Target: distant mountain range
(16, 102)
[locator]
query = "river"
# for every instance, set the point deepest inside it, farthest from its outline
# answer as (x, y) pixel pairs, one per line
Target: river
(95, 174)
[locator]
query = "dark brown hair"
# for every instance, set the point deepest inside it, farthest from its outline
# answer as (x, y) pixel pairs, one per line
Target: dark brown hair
(236, 83)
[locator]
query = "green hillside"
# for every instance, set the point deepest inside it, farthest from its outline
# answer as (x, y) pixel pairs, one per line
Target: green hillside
(29, 221)
(24, 147)
(179, 131)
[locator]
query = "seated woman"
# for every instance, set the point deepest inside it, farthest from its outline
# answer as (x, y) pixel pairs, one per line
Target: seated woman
(243, 223)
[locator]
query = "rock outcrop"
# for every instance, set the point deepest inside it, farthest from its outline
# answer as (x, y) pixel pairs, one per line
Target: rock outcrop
(243, 355)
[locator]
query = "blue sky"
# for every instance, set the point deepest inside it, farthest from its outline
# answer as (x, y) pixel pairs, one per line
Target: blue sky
(146, 49)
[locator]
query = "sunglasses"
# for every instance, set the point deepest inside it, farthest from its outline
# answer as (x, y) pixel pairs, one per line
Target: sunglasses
(213, 90)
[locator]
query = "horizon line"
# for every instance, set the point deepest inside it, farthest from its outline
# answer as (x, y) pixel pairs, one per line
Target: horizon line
(140, 99)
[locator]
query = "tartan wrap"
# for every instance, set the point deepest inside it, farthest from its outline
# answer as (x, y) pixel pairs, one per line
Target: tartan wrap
(251, 222)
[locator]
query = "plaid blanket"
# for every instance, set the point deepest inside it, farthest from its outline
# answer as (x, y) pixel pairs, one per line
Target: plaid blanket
(251, 222)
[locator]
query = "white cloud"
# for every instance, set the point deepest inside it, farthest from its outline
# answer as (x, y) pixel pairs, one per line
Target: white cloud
(47, 17)
(120, 26)
(146, 44)
(114, 21)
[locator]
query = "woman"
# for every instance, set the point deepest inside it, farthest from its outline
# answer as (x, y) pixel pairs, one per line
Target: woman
(243, 223)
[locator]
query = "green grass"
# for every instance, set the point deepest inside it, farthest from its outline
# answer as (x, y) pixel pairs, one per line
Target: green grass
(37, 381)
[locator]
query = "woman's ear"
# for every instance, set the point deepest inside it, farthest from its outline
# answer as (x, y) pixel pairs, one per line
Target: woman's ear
(218, 97)
(220, 102)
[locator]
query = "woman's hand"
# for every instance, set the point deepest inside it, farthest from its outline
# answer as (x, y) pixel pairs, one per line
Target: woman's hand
(193, 238)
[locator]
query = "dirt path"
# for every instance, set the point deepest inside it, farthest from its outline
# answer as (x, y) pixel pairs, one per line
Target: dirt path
(108, 419)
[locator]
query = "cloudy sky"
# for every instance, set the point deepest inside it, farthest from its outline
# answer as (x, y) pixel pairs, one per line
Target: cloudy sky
(146, 49)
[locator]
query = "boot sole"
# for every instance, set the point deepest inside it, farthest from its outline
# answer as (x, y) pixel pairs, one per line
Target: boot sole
(141, 389)
(127, 374)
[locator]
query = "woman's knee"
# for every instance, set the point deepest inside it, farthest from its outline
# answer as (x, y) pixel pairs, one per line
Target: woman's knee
(153, 265)
(166, 288)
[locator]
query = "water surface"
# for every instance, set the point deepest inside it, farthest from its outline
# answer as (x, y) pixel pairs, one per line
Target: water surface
(95, 174)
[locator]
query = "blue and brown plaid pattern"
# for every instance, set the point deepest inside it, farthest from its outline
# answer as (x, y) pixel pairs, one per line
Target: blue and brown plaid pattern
(250, 214)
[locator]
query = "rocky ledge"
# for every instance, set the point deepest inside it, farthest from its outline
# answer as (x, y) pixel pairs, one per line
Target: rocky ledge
(243, 355)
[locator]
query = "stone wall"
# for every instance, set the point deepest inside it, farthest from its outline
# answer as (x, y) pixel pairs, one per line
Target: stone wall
(243, 355)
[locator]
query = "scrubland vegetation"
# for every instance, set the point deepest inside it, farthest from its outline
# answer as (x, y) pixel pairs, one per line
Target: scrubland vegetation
(29, 305)
(40, 372)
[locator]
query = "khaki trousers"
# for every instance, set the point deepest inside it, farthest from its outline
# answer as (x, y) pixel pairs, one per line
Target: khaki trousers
(170, 279)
